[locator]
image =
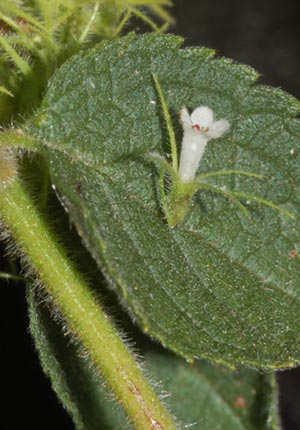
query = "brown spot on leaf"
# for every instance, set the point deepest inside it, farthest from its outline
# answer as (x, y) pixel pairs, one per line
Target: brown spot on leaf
(78, 187)
(293, 254)
(240, 402)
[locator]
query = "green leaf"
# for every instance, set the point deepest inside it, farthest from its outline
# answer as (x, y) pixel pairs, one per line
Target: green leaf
(200, 395)
(221, 285)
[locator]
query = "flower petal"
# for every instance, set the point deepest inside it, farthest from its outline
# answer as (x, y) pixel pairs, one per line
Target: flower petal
(185, 118)
(202, 116)
(218, 128)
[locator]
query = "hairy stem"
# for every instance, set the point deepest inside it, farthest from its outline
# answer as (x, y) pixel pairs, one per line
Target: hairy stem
(84, 316)
(22, 65)
(10, 276)
(168, 123)
(15, 138)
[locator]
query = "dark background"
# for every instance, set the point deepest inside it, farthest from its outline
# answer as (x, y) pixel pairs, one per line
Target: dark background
(264, 34)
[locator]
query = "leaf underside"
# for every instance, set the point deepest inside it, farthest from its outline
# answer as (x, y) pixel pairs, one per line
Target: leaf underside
(221, 285)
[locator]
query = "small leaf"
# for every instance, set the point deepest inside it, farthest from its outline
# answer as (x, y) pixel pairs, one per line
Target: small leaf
(200, 395)
(221, 285)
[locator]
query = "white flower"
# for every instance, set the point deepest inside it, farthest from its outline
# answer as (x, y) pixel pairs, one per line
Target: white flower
(198, 129)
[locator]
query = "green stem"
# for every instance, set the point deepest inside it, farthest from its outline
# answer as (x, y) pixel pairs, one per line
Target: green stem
(144, 18)
(5, 91)
(228, 172)
(16, 58)
(16, 138)
(122, 23)
(19, 12)
(87, 320)
(10, 276)
(162, 13)
(264, 202)
(168, 123)
(273, 418)
(87, 29)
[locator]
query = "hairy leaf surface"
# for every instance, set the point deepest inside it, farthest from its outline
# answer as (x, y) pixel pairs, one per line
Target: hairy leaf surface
(220, 285)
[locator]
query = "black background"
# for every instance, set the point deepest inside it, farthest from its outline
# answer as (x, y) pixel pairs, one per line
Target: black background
(264, 34)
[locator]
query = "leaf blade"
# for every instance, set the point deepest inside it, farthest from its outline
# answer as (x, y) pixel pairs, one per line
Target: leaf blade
(220, 286)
